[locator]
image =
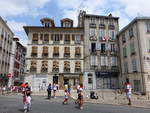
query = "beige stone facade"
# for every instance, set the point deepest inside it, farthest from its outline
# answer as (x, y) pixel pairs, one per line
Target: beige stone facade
(54, 54)
(100, 54)
(134, 46)
(6, 38)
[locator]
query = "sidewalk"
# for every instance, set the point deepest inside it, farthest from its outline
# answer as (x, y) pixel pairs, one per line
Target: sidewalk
(113, 98)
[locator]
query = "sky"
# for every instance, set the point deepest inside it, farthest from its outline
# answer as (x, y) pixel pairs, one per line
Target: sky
(19, 13)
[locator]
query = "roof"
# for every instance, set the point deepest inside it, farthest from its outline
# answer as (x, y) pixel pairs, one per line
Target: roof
(66, 19)
(132, 22)
(100, 16)
(41, 28)
(1, 19)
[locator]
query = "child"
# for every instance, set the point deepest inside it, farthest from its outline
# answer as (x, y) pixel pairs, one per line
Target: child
(66, 97)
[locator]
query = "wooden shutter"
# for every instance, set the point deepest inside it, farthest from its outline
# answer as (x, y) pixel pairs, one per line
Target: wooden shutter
(82, 37)
(73, 37)
(52, 36)
(45, 49)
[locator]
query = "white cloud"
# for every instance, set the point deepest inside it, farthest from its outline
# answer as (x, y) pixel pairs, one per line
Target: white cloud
(21, 7)
(125, 9)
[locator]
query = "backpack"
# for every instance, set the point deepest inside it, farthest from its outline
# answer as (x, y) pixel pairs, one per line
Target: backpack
(49, 88)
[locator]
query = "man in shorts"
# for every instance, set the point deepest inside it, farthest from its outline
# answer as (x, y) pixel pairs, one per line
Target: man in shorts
(128, 90)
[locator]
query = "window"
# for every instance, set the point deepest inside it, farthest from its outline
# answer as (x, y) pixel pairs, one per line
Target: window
(45, 52)
(134, 65)
(77, 51)
(77, 39)
(113, 61)
(148, 26)
(93, 20)
(104, 61)
(124, 52)
(66, 66)
(44, 67)
(93, 47)
(66, 24)
(77, 66)
(148, 45)
(35, 38)
(46, 39)
(55, 66)
(55, 51)
(132, 49)
(66, 52)
(101, 21)
(67, 39)
(57, 38)
(33, 66)
(111, 22)
(93, 34)
(103, 47)
(112, 48)
(112, 35)
(102, 34)
(34, 51)
(123, 38)
(94, 60)
(131, 32)
(90, 80)
(125, 67)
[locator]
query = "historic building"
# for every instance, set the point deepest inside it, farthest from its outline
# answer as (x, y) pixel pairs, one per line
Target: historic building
(100, 51)
(54, 54)
(134, 46)
(17, 62)
(6, 38)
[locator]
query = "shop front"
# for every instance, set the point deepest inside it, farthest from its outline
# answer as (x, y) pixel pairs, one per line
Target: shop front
(107, 80)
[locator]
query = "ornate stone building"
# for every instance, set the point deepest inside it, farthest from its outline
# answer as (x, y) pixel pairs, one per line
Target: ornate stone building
(54, 54)
(100, 51)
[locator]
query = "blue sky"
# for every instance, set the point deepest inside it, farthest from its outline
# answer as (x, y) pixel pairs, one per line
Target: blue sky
(19, 13)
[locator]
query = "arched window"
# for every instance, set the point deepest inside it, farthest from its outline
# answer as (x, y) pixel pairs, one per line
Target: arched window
(33, 66)
(44, 67)
(77, 66)
(66, 66)
(55, 66)
(77, 51)
(35, 38)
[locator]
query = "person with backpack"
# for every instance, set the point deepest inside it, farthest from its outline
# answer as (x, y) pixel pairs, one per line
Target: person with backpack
(49, 90)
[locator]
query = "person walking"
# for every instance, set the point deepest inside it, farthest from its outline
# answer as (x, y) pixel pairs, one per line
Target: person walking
(66, 97)
(54, 89)
(80, 96)
(27, 97)
(69, 89)
(128, 90)
(49, 90)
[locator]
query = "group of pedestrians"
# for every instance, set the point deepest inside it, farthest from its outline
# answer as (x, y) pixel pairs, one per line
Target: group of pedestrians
(27, 90)
(51, 88)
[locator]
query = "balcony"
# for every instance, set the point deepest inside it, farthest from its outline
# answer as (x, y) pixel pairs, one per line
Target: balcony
(114, 68)
(104, 67)
(56, 42)
(111, 27)
(77, 55)
(94, 66)
(66, 70)
(34, 41)
(77, 42)
(113, 53)
(77, 70)
(55, 54)
(93, 38)
(55, 70)
(45, 55)
(102, 26)
(33, 54)
(67, 42)
(66, 54)
(46, 42)
(104, 52)
(33, 70)
(92, 25)
(44, 70)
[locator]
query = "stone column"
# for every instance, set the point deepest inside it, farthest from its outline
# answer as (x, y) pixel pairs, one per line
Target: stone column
(61, 81)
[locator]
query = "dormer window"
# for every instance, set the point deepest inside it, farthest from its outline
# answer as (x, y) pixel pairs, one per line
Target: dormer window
(47, 22)
(66, 22)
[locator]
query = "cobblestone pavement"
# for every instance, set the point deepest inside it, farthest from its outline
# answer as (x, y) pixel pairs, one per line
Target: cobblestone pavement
(13, 104)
